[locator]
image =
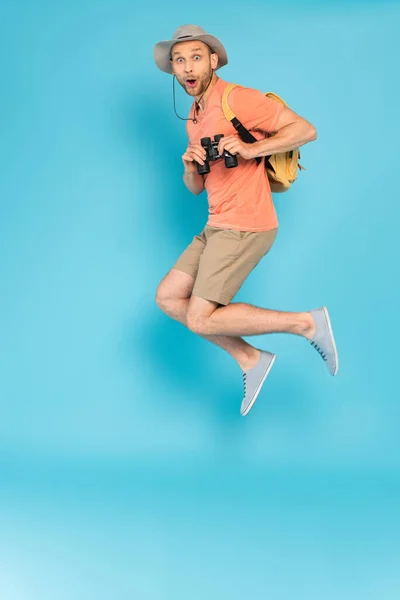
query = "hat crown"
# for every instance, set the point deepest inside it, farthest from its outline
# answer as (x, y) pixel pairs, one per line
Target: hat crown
(188, 31)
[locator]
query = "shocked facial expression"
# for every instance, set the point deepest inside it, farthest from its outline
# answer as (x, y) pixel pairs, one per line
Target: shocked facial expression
(193, 64)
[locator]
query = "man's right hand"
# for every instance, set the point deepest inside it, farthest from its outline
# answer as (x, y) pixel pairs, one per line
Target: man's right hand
(194, 153)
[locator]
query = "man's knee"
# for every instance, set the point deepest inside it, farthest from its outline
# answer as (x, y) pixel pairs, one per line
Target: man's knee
(197, 324)
(199, 314)
(175, 287)
(165, 300)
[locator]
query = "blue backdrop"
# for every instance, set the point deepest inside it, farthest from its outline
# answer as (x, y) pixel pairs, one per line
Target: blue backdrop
(126, 470)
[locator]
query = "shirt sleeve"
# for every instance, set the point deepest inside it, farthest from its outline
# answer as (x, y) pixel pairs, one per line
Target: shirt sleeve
(254, 109)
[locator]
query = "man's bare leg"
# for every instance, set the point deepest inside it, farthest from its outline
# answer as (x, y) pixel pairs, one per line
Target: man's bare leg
(237, 319)
(207, 318)
(173, 297)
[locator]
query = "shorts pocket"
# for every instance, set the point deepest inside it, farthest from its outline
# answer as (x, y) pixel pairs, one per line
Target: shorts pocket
(236, 234)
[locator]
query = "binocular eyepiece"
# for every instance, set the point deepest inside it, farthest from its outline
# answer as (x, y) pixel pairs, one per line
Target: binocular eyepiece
(211, 148)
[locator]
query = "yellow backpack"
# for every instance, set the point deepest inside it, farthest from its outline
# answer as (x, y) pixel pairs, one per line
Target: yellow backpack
(282, 168)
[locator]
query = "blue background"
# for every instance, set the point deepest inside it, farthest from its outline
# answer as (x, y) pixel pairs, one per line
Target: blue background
(126, 470)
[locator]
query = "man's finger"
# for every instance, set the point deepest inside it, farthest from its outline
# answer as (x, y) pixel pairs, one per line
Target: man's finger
(224, 142)
(221, 146)
(231, 147)
(197, 157)
(198, 150)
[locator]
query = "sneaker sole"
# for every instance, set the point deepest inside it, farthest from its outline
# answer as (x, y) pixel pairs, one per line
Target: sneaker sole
(332, 338)
(259, 387)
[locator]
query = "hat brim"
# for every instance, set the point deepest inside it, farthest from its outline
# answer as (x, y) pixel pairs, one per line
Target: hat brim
(162, 51)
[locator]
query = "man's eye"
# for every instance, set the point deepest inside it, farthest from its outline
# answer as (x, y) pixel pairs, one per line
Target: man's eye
(197, 56)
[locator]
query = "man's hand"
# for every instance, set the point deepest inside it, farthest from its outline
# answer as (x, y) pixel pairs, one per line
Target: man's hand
(194, 153)
(234, 145)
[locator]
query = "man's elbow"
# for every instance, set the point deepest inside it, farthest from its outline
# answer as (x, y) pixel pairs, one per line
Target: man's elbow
(313, 133)
(308, 129)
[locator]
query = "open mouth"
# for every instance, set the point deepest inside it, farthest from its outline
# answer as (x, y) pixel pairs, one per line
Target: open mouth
(191, 83)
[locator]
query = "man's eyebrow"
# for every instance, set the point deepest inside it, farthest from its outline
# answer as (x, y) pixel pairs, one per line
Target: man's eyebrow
(194, 50)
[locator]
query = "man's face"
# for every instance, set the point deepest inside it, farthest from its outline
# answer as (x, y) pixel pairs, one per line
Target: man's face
(192, 64)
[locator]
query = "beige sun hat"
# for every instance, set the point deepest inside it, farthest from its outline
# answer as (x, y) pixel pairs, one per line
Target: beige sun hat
(186, 33)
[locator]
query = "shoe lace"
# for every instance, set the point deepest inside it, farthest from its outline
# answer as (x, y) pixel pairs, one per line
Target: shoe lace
(319, 350)
(244, 383)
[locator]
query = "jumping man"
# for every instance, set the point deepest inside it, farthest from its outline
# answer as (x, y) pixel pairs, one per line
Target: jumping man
(242, 222)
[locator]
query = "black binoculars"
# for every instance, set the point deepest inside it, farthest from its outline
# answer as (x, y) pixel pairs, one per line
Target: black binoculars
(211, 148)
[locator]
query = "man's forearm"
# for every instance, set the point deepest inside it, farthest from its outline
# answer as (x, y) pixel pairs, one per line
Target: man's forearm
(194, 182)
(289, 137)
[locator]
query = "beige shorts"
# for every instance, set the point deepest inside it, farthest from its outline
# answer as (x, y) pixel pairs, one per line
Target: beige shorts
(221, 259)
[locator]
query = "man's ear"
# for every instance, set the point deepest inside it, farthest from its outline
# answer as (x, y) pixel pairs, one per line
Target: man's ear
(214, 60)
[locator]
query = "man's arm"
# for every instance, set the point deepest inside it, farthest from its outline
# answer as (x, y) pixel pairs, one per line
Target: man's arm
(194, 182)
(193, 155)
(258, 112)
(292, 131)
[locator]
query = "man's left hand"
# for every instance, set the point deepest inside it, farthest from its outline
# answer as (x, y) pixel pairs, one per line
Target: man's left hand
(234, 145)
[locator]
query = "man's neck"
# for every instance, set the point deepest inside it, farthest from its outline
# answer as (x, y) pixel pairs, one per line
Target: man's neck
(203, 102)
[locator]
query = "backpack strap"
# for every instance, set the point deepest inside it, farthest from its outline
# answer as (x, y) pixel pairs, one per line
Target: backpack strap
(244, 134)
(276, 97)
(278, 165)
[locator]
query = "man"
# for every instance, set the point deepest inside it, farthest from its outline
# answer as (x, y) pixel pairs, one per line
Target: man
(242, 223)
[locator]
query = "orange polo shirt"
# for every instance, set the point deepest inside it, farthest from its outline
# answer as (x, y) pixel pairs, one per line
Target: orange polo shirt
(240, 197)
